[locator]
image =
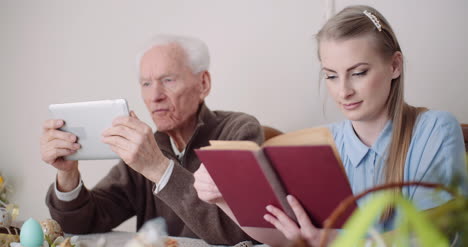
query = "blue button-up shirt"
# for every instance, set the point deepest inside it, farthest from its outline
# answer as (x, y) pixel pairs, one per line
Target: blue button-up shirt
(436, 154)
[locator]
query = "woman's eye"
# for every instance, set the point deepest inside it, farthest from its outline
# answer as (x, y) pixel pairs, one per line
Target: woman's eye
(362, 73)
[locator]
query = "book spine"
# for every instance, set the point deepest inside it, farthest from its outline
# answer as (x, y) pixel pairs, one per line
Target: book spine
(275, 183)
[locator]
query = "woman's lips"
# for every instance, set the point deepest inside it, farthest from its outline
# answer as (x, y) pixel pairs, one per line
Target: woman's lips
(352, 106)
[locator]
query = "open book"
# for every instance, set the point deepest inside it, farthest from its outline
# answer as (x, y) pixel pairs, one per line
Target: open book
(303, 163)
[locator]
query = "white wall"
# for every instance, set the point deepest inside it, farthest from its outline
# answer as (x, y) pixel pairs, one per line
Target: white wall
(263, 63)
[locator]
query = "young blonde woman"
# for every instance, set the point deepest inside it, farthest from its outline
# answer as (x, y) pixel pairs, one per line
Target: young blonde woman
(384, 139)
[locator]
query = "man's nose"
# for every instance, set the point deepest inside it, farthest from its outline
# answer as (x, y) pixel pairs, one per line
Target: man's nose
(158, 92)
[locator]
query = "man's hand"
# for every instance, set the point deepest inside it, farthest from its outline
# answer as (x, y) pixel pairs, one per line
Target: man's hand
(54, 145)
(134, 142)
(206, 188)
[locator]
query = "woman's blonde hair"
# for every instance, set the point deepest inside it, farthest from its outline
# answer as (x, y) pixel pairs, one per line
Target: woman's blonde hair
(350, 23)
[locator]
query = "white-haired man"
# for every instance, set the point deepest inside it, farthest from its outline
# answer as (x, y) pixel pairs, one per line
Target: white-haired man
(155, 175)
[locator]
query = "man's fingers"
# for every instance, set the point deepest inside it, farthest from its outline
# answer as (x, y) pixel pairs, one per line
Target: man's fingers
(119, 142)
(119, 151)
(57, 148)
(135, 124)
(59, 143)
(124, 132)
(133, 114)
(53, 134)
(51, 155)
(52, 124)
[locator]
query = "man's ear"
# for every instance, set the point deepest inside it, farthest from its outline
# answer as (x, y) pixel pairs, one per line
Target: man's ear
(397, 64)
(205, 85)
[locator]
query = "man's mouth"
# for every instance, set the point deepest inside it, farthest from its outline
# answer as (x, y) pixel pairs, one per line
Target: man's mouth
(160, 110)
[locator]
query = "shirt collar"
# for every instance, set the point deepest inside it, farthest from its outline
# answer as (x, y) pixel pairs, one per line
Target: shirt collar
(381, 145)
(358, 150)
(176, 150)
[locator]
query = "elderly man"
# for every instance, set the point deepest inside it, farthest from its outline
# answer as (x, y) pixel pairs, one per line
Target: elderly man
(155, 176)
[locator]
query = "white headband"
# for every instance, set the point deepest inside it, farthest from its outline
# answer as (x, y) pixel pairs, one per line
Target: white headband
(374, 20)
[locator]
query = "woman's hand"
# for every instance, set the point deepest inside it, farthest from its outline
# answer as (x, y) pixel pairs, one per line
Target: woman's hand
(205, 186)
(306, 230)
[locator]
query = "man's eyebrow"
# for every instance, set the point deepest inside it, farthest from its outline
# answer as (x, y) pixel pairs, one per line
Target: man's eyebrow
(158, 78)
(142, 79)
(350, 68)
(166, 75)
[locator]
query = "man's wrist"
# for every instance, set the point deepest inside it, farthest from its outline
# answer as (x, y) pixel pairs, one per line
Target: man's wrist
(158, 170)
(67, 180)
(68, 196)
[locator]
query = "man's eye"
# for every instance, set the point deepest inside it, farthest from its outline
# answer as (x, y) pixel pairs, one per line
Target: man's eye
(168, 80)
(362, 73)
(330, 77)
(145, 84)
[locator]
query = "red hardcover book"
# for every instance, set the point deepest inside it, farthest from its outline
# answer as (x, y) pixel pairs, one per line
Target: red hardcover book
(303, 163)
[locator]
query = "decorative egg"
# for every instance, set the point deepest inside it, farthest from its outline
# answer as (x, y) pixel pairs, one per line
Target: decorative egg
(52, 230)
(31, 234)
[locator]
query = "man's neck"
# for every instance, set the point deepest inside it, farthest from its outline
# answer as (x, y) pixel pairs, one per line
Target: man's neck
(369, 131)
(181, 136)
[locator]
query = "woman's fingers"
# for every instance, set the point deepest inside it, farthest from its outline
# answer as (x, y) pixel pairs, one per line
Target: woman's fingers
(282, 222)
(301, 215)
(207, 192)
(308, 230)
(205, 186)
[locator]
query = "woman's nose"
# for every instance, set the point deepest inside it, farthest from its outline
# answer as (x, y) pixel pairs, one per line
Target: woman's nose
(346, 89)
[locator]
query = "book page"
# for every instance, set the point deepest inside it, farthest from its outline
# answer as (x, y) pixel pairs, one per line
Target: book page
(310, 136)
(306, 137)
(231, 145)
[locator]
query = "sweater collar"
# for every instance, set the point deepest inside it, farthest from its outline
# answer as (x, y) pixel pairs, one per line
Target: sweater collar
(205, 119)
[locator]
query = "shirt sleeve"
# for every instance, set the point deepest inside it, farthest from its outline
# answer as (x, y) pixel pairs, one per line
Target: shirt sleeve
(165, 178)
(68, 196)
(437, 156)
(112, 201)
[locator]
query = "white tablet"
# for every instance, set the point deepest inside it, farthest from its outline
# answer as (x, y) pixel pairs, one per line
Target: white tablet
(87, 120)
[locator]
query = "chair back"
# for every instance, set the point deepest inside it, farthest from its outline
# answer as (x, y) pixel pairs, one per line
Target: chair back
(270, 132)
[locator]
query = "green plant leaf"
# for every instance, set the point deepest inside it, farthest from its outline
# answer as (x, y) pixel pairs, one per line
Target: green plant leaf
(426, 232)
(357, 226)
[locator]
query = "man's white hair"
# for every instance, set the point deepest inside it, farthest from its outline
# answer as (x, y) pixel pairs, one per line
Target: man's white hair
(198, 57)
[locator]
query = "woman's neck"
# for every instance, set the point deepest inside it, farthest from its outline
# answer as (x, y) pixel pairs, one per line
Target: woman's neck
(369, 131)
